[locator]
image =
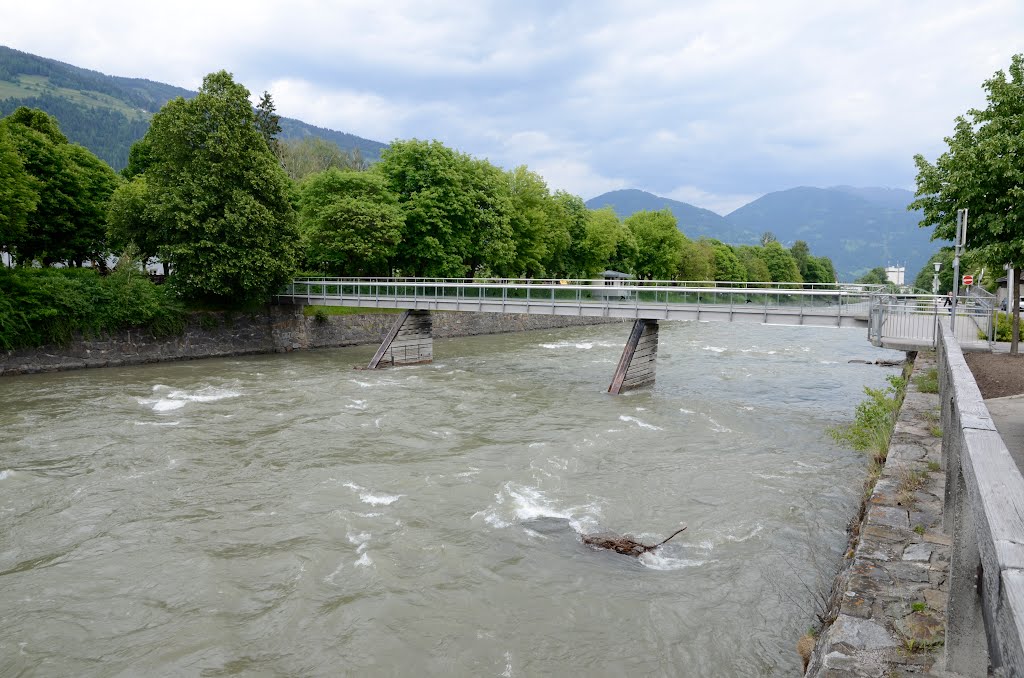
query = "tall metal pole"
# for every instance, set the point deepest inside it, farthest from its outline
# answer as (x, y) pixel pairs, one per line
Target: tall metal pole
(961, 238)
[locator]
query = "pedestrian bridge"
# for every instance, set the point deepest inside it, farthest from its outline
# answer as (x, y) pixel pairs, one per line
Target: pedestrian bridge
(904, 322)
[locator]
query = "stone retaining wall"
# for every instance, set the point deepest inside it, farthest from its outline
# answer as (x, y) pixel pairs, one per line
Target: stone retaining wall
(892, 594)
(280, 329)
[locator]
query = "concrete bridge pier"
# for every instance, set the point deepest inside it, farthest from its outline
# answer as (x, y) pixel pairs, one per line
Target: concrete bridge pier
(636, 366)
(408, 342)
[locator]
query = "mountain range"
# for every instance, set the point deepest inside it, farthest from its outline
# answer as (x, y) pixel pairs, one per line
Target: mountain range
(858, 228)
(107, 114)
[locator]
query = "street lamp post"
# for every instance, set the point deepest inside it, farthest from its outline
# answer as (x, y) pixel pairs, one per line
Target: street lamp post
(935, 280)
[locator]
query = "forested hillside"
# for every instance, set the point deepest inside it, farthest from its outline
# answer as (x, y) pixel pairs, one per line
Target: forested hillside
(107, 114)
(857, 228)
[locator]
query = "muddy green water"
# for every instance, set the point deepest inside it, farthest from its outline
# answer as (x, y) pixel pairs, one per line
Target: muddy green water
(287, 515)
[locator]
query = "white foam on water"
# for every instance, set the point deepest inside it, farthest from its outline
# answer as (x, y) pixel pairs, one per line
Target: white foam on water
(507, 673)
(521, 503)
(686, 411)
(742, 538)
(353, 486)
(5, 474)
(714, 349)
(655, 560)
(641, 424)
(468, 474)
(364, 561)
(718, 428)
(641, 409)
(584, 345)
(379, 499)
(370, 515)
(356, 405)
(329, 579)
(175, 399)
(532, 445)
(748, 408)
(156, 423)
(359, 539)
(828, 362)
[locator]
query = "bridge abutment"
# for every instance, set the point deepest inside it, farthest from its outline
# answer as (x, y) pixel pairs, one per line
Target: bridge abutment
(636, 366)
(409, 342)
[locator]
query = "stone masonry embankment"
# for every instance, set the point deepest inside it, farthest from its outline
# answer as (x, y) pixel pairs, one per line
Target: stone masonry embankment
(891, 595)
(280, 329)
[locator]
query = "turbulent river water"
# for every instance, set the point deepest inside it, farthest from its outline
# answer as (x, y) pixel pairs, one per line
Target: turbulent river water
(287, 515)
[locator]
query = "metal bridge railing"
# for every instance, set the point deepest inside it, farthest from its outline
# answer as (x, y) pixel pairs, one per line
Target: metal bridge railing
(916, 318)
(837, 300)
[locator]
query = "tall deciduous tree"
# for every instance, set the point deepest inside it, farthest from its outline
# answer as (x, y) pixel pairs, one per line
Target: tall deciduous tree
(457, 211)
(536, 230)
(18, 195)
(218, 197)
(781, 264)
(351, 223)
(68, 224)
(983, 171)
(309, 155)
(659, 243)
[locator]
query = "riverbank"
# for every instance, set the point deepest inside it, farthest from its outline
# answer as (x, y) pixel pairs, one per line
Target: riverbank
(280, 329)
(889, 601)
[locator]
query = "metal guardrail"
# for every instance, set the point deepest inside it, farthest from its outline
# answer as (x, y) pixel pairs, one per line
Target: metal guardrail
(915, 319)
(839, 305)
(984, 512)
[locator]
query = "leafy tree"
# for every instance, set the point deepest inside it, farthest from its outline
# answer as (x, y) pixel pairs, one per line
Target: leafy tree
(601, 241)
(457, 211)
(351, 223)
(18, 195)
(218, 197)
(983, 171)
(925, 276)
(310, 155)
(875, 276)
(69, 222)
(131, 223)
(697, 261)
(727, 266)
(781, 264)
(535, 229)
(659, 243)
(570, 261)
(268, 122)
(753, 261)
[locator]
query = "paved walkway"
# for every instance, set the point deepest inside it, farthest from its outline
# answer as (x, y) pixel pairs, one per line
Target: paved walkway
(1008, 416)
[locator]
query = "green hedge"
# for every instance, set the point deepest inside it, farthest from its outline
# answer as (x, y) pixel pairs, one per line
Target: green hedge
(41, 306)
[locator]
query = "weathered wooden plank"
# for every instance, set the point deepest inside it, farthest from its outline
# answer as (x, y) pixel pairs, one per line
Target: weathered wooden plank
(384, 345)
(641, 347)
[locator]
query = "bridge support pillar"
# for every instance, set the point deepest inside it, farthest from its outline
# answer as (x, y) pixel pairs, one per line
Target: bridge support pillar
(408, 342)
(636, 366)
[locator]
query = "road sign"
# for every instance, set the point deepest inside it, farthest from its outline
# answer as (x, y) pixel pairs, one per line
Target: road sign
(968, 279)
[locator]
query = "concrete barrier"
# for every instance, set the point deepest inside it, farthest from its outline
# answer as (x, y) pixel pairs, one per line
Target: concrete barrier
(984, 513)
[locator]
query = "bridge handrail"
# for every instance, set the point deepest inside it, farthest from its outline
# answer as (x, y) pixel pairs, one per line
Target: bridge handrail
(856, 288)
(984, 512)
(820, 289)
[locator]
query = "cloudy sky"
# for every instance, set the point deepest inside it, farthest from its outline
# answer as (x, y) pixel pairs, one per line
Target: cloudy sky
(711, 102)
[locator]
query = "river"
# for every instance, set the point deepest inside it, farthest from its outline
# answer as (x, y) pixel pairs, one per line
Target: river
(286, 515)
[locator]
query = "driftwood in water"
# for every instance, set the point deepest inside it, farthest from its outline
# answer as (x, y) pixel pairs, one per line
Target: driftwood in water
(882, 363)
(625, 544)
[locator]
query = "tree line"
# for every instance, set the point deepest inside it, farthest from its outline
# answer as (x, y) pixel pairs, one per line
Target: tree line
(234, 212)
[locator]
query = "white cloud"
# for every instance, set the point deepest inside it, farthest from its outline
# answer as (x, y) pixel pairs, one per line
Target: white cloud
(712, 100)
(720, 203)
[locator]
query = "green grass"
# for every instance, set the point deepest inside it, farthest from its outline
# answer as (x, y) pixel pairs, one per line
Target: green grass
(36, 85)
(928, 381)
(312, 311)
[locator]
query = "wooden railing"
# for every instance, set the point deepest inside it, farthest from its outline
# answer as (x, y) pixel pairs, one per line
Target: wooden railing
(984, 512)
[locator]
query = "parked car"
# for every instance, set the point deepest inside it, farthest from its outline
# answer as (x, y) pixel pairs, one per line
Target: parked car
(1003, 304)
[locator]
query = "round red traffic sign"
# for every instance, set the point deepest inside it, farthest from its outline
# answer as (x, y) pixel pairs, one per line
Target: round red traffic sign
(968, 279)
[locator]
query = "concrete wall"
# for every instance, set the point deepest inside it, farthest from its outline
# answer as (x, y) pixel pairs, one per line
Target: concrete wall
(280, 329)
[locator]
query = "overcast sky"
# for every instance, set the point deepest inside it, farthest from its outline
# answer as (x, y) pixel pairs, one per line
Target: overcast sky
(711, 102)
